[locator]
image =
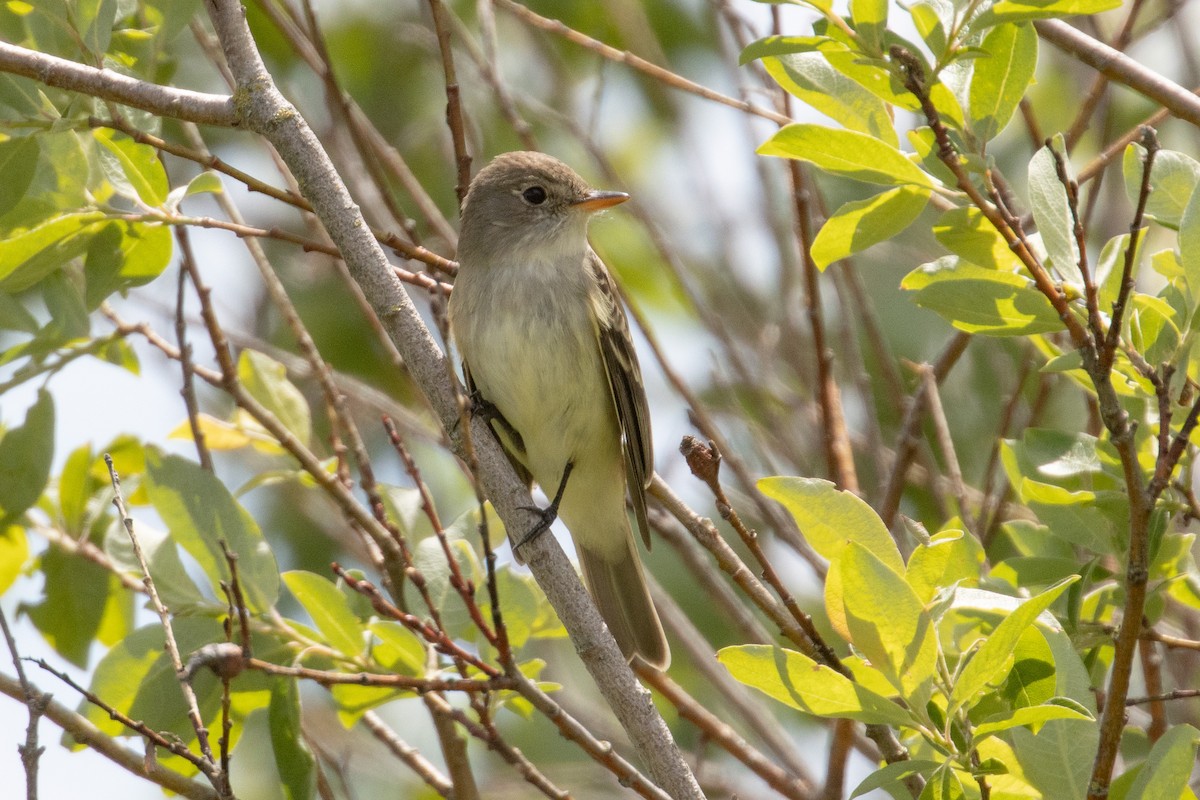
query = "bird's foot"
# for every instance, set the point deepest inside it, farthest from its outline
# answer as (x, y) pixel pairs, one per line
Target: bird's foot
(547, 514)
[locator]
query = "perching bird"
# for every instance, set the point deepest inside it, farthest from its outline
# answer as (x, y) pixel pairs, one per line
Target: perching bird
(546, 348)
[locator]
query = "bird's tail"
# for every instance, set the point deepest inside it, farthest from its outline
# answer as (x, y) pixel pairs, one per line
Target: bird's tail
(618, 586)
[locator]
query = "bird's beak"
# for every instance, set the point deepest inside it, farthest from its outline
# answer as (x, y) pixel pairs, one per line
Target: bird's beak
(595, 201)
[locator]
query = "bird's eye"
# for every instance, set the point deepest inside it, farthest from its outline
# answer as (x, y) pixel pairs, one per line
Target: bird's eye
(534, 195)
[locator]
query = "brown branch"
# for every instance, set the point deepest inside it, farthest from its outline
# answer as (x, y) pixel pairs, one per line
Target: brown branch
(409, 755)
(454, 109)
(1121, 68)
(35, 702)
(105, 84)
(82, 731)
(640, 64)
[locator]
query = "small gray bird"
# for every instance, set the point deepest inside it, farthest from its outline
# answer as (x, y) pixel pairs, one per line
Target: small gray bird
(546, 349)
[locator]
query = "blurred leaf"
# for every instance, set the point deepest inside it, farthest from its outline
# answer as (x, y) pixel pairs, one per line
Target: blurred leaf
(14, 552)
(892, 775)
(1111, 264)
(1189, 247)
(932, 19)
(860, 224)
(399, 649)
(846, 153)
(943, 784)
(780, 46)
(1021, 10)
(978, 300)
(18, 164)
(1001, 79)
(1152, 330)
(176, 588)
(329, 611)
(94, 19)
(81, 603)
(1173, 179)
(266, 380)
(26, 453)
(201, 513)
(887, 621)
(354, 701)
(1052, 213)
(796, 680)
(1167, 770)
(293, 760)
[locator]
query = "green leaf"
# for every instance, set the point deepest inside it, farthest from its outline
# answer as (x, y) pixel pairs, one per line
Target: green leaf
(932, 19)
(137, 678)
(870, 22)
(887, 621)
(849, 154)
(53, 240)
(780, 46)
(1173, 179)
(94, 20)
(293, 759)
(201, 513)
(175, 586)
(892, 775)
(811, 78)
(329, 611)
(266, 380)
(978, 300)
(830, 519)
(943, 785)
(949, 557)
(861, 223)
(1001, 79)
(796, 680)
(18, 164)
(1189, 247)
(1058, 759)
(1152, 330)
(1029, 716)
(1167, 770)
(1031, 681)
(399, 649)
(1052, 213)
(26, 453)
(994, 658)
(966, 232)
(82, 603)
(139, 164)
(14, 552)
(1021, 10)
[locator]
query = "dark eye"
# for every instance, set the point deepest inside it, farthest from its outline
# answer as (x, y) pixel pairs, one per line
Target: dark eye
(534, 195)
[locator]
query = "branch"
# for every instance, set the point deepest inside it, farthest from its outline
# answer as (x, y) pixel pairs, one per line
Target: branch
(1121, 68)
(85, 733)
(166, 101)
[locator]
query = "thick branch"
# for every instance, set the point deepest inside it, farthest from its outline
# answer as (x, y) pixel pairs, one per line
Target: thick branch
(1121, 68)
(166, 101)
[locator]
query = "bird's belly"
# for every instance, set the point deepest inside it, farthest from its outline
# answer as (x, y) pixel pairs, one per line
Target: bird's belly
(543, 373)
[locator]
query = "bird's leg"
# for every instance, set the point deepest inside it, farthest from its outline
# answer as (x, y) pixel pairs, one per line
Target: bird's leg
(550, 512)
(487, 411)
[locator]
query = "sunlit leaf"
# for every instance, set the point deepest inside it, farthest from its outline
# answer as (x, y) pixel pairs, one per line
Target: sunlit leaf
(26, 452)
(846, 153)
(796, 680)
(1000, 80)
(860, 224)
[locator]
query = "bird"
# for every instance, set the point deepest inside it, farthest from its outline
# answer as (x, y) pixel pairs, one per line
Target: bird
(547, 354)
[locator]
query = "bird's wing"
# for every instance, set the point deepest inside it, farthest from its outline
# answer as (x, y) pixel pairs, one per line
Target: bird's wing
(625, 385)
